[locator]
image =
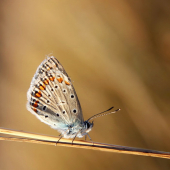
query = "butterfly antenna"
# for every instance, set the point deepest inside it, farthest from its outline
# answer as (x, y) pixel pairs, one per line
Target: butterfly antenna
(103, 113)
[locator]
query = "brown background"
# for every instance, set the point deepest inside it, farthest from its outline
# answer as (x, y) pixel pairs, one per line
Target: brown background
(116, 52)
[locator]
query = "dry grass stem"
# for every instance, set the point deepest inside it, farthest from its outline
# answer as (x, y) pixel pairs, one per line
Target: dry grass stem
(50, 140)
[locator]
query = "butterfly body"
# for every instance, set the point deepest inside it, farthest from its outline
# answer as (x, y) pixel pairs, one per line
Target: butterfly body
(52, 99)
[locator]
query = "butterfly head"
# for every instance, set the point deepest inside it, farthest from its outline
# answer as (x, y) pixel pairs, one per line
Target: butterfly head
(87, 126)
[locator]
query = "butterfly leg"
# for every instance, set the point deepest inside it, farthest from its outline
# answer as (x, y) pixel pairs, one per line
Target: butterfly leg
(75, 137)
(59, 138)
(85, 137)
(90, 138)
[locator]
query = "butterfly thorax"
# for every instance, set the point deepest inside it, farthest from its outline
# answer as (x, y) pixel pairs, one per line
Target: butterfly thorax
(78, 130)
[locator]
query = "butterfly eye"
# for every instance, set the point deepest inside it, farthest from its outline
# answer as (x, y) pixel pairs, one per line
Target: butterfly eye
(57, 114)
(46, 116)
(74, 110)
(72, 96)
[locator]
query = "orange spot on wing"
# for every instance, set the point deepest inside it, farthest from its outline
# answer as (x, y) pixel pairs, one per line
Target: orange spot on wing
(46, 82)
(42, 87)
(36, 103)
(35, 110)
(38, 94)
(49, 68)
(60, 80)
(52, 78)
(67, 83)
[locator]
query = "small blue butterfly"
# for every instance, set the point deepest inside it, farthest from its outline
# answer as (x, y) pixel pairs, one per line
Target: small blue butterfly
(52, 99)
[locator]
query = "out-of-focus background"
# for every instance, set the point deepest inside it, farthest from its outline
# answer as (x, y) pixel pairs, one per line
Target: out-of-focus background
(116, 52)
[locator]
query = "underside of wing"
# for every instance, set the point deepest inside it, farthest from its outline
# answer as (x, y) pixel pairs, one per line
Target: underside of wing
(52, 98)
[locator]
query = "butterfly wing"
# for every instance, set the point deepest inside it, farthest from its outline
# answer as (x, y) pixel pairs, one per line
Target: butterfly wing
(52, 98)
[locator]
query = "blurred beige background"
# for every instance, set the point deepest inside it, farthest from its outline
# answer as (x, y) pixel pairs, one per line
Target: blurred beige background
(116, 52)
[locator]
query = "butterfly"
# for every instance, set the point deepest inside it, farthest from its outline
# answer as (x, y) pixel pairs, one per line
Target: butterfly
(53, 99)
